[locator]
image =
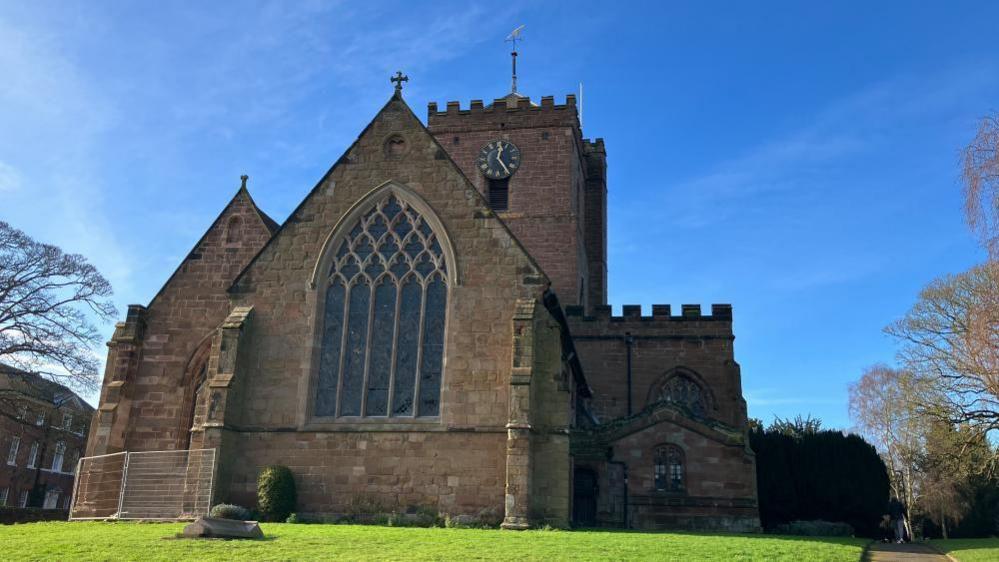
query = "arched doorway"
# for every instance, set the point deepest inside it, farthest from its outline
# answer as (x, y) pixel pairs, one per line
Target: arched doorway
(193, 386)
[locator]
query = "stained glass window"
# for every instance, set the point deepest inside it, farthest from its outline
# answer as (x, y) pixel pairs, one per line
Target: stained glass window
(684, 391)
(383, 317)
(669, 469)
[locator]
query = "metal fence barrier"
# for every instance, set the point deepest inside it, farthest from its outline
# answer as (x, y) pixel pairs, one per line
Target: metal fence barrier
(144, 485)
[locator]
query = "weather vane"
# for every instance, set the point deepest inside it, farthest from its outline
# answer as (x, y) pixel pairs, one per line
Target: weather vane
(513, 38)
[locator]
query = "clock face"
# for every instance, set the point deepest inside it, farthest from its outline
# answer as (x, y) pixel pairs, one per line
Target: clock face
(498, 159)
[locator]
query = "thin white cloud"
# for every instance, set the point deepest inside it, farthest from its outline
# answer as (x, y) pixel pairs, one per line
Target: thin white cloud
(770, 397)
(764, 397)
(55, 116)
(85, 126)
(10, 179)
(276, 57)
(800, 161)
(795, 200)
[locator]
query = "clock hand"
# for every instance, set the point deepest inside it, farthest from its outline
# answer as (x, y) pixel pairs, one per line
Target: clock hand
(499, 157)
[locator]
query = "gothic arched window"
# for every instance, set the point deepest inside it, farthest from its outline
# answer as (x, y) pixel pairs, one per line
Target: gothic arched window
(670, 474)
(684, 391)
(383, 317)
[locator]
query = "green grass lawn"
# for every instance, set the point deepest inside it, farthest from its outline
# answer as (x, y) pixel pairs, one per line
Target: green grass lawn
(155, 541)
(970, 550)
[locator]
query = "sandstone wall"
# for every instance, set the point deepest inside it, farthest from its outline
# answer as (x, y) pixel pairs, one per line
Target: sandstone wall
(453, 462)
(660, 343)
(546, 194)
(146, 398)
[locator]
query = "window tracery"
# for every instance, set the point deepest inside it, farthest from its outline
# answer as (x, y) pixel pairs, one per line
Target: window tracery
(684, 391)
(385, 304)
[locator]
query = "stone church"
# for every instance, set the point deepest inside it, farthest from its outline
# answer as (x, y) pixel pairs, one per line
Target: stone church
(429, 329)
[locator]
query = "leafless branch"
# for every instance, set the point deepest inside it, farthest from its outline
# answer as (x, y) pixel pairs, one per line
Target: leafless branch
(980, 175)
(49, 301)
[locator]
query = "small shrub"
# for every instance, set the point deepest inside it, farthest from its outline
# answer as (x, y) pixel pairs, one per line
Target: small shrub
(276, 496)
(425, 516)
(230, 511)
(293, 518)
(815, 529)
(489, 518)
(362, 507)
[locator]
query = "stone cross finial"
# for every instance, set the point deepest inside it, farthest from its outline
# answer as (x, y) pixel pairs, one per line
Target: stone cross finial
(244, 177)
(399, 78)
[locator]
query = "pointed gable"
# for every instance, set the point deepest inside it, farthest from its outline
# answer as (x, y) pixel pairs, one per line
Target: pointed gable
(395, 147)
(291, 283)
(233, 238)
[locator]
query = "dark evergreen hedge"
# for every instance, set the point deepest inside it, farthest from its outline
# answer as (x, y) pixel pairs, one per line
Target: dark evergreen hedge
(819, 475)
(10, 515)
(276, 496)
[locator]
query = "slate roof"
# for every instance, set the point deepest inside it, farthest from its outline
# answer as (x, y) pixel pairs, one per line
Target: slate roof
(38, 387)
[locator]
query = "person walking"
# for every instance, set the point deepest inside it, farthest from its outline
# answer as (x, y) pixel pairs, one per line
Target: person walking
(897, 512)
(887, 529)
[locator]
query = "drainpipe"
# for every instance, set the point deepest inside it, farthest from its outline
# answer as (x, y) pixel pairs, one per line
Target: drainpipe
(628, 342)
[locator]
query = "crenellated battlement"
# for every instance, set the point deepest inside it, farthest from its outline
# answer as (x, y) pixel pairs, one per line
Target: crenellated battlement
(510, 112)
(660, 313)
(594, 146)
(509, 103)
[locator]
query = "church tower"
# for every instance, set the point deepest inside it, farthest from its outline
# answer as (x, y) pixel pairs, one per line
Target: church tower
(393, 343)
(546, 181)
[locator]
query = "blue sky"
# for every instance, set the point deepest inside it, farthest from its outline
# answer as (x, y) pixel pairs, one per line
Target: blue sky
(796, 159)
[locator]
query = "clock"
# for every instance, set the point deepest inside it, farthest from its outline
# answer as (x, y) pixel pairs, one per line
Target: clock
(498, 159)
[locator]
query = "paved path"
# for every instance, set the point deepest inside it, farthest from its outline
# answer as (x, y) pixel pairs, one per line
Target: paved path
(911, 552)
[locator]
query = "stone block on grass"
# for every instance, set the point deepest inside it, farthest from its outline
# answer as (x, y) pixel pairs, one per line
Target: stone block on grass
(211, 527)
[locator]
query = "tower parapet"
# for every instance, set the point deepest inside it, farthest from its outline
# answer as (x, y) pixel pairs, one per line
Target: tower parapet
(548, 201)
(660, 313)
(510, 112)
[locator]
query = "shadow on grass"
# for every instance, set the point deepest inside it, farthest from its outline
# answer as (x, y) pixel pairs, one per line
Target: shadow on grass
(181, 537)
(719, 534)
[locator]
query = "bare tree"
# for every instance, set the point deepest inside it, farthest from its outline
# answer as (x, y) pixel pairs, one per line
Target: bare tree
(980, 175)
(883, 405)
(946, 471)
(950, 338)
(49, 301)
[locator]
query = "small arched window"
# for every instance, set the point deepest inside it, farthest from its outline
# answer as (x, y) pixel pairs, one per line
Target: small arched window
(234, 230)
(383, 317)
(670, 472)
(684, 391)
